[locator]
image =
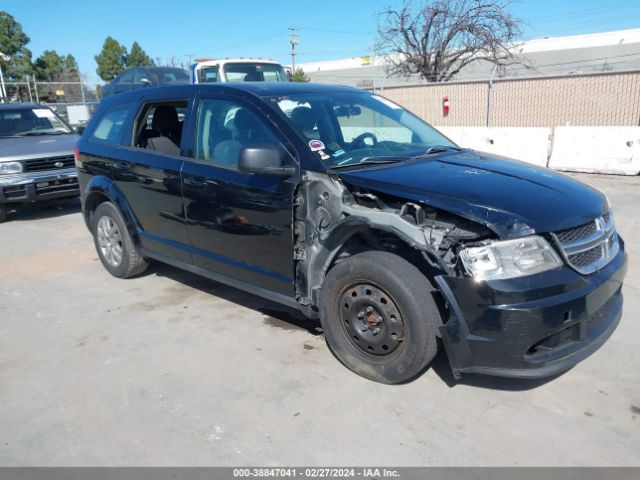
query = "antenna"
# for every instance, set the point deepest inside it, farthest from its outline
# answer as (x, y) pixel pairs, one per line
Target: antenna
(293, 40)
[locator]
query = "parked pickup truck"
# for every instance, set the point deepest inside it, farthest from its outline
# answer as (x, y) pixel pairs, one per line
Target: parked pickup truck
(232, 70)
(36, 156)
(343, 204)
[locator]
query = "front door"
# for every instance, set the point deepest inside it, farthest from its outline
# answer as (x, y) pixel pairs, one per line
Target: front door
(239, 224)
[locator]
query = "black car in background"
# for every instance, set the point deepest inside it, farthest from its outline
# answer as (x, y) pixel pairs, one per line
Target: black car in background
(346, 206)
(36, 156)
(142, 77)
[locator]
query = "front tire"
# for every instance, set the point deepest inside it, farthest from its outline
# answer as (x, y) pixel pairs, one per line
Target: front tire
(113, 243)
(379, 316)
(3, 213)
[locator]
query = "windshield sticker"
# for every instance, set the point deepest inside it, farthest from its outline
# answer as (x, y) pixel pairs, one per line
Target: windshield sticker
(43, 113)
(345, 161)
(323, 155)
(386, 102)
(316, 145)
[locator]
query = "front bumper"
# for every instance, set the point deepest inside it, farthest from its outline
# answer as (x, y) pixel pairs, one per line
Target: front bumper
(531, 327)
(36, 186)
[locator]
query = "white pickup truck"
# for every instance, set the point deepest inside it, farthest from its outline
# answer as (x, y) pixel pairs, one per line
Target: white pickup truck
(237, 70)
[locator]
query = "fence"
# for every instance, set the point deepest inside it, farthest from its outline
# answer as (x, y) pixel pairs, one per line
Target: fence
(58, 95)
(605, 99)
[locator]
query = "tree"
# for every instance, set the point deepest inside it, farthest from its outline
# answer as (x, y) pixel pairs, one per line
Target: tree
(437, 39)
(111, 60)
(49, 65)
(300, 76)
(13, 43)
(57, 71)
(138, 57)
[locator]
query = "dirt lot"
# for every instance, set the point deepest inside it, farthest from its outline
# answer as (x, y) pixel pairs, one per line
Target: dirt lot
(172, 369)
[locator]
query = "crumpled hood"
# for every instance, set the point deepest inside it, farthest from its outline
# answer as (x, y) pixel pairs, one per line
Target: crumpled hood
(510, 197)
(24, 148)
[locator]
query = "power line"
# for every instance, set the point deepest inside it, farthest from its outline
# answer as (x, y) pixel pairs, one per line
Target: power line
(337, 32)
(581, 13)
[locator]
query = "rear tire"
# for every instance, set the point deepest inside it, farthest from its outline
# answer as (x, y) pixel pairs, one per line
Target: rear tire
(379, 316)
(113, 243)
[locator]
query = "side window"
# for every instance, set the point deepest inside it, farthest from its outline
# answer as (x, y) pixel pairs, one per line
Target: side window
(140, 74)
(109, 127)
(159, 126)
(125, 78)
(209, 75)
(224, 128)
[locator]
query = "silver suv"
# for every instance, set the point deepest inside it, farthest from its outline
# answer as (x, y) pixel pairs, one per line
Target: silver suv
(36, 155)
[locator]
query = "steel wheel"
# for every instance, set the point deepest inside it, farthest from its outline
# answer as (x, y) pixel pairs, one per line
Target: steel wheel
(371, 319)
(110, 241)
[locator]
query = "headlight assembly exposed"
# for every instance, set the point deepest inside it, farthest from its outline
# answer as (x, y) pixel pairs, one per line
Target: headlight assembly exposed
(10, 167)
(510, 258)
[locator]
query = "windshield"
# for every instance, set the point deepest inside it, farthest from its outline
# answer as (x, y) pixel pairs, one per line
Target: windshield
(254, 72)
(347, 128)
(31, 121)
(169, 75)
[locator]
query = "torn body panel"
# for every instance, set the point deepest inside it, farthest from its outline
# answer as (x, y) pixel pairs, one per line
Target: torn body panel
(328, 214)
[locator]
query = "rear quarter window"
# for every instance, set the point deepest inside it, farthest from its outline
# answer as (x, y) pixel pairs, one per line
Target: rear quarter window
(110, 125)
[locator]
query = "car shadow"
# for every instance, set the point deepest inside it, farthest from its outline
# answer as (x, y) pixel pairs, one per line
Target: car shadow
(43, 210)
(440, 366)
(276, 315)
(282, 317)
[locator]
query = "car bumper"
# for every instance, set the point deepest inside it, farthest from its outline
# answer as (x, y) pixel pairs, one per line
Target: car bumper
(36, 186)
(531, 327)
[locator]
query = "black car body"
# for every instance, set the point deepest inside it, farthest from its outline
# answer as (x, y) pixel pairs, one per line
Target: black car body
(136, 78)
(36, 155)
(393, 236)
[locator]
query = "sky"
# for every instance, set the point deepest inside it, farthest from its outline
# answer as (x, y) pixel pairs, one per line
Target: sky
(328, 29)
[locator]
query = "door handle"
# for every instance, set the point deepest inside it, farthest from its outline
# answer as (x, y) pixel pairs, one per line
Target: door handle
(195, 182)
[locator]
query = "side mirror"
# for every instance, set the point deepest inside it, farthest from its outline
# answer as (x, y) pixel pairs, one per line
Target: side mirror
(264, 159)
(145, 81)
(79, 129)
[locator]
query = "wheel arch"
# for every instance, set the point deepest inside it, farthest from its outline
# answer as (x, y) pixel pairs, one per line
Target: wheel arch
(102, 189)
(359, 235)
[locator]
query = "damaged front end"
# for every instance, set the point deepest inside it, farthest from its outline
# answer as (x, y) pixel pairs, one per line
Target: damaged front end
(531, 326)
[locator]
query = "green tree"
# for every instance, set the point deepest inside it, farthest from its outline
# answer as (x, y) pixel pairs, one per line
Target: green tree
(49, 66)
(72, 71)
(13, 43)
(111, 60)
(300, 76)
(138, 57)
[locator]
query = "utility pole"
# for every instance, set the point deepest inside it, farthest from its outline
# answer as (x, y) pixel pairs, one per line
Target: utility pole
(293, 40)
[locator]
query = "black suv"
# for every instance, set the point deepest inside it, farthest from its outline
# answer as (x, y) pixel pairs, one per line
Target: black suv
(341, 203)
(142, 77)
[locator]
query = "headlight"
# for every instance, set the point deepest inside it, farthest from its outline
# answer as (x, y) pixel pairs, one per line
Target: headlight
(10, 167)
(510, 258)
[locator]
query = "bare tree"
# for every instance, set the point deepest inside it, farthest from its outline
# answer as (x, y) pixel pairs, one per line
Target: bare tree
(437, 39)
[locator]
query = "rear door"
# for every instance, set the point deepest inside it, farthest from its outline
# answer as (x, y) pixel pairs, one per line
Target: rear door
(150, 179)
(239, 224)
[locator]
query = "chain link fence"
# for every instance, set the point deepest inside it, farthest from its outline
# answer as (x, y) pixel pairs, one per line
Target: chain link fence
(57, 95)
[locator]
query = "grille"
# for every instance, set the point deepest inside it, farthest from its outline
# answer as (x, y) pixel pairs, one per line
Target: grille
(584, 259)
(578, 233)
(591, 246)
(49, 163)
